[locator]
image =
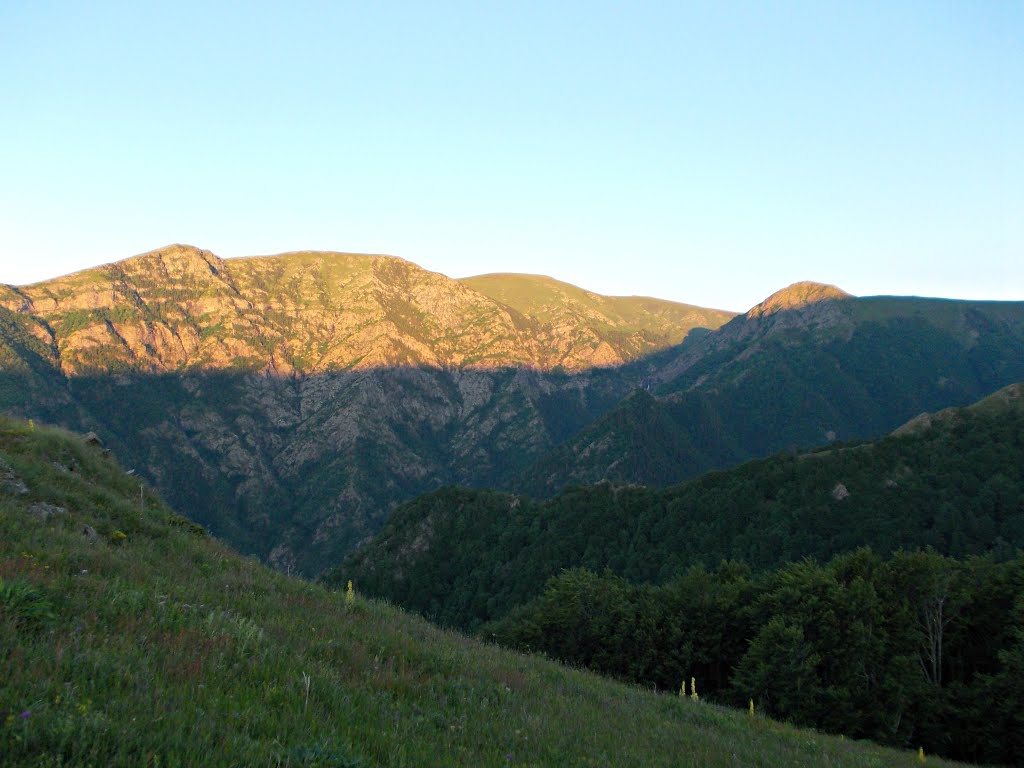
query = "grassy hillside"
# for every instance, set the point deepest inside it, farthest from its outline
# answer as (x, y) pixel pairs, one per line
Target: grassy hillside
(552, 302)
(128, 637)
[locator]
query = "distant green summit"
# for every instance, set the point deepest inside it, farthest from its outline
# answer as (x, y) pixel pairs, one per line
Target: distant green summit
(552, 302)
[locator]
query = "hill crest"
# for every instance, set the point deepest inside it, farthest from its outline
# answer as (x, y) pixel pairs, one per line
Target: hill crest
(797, 296)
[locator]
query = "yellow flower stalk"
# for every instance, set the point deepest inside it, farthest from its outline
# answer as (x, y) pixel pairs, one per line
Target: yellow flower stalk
(751, 711)
(920, 754)
(693, 688)
(682, 688)
(350, 595)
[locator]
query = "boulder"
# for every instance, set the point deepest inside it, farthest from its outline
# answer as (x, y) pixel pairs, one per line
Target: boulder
(43, 511)
(9, 480)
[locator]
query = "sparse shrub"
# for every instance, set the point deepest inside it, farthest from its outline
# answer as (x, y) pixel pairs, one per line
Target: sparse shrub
(24, 603)
(179, 521)
(246, 632)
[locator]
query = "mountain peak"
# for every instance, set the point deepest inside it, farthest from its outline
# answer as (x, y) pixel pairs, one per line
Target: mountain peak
(175, 258)
(796, 296)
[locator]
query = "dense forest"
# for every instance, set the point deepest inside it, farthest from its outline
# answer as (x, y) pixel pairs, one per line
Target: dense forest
(465, 557)
(918, 649)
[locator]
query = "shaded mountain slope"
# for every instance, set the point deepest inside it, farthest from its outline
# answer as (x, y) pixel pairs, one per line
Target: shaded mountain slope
(809, 364)
(131, 638)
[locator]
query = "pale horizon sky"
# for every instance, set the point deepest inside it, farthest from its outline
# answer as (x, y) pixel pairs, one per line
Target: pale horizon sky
(704, 152)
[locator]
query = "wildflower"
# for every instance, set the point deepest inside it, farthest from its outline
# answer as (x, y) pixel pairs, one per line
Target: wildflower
(682, 688)
(693, 688)
(25, 715)
(920, 754)
(751, 711)
(118, 536)
(350, 595)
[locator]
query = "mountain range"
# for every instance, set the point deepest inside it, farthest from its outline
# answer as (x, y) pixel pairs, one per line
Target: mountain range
(289, 403)
(640, 494)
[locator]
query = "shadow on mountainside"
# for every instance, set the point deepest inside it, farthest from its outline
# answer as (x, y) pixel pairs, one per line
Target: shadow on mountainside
(300, 469)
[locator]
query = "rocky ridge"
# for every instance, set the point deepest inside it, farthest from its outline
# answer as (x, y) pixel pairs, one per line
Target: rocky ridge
(182, 308)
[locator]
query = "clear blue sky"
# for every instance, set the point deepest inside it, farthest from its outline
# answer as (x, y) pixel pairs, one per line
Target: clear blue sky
(705, 152)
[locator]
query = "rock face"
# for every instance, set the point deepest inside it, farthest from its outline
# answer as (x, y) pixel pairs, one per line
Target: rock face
(289, 402)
